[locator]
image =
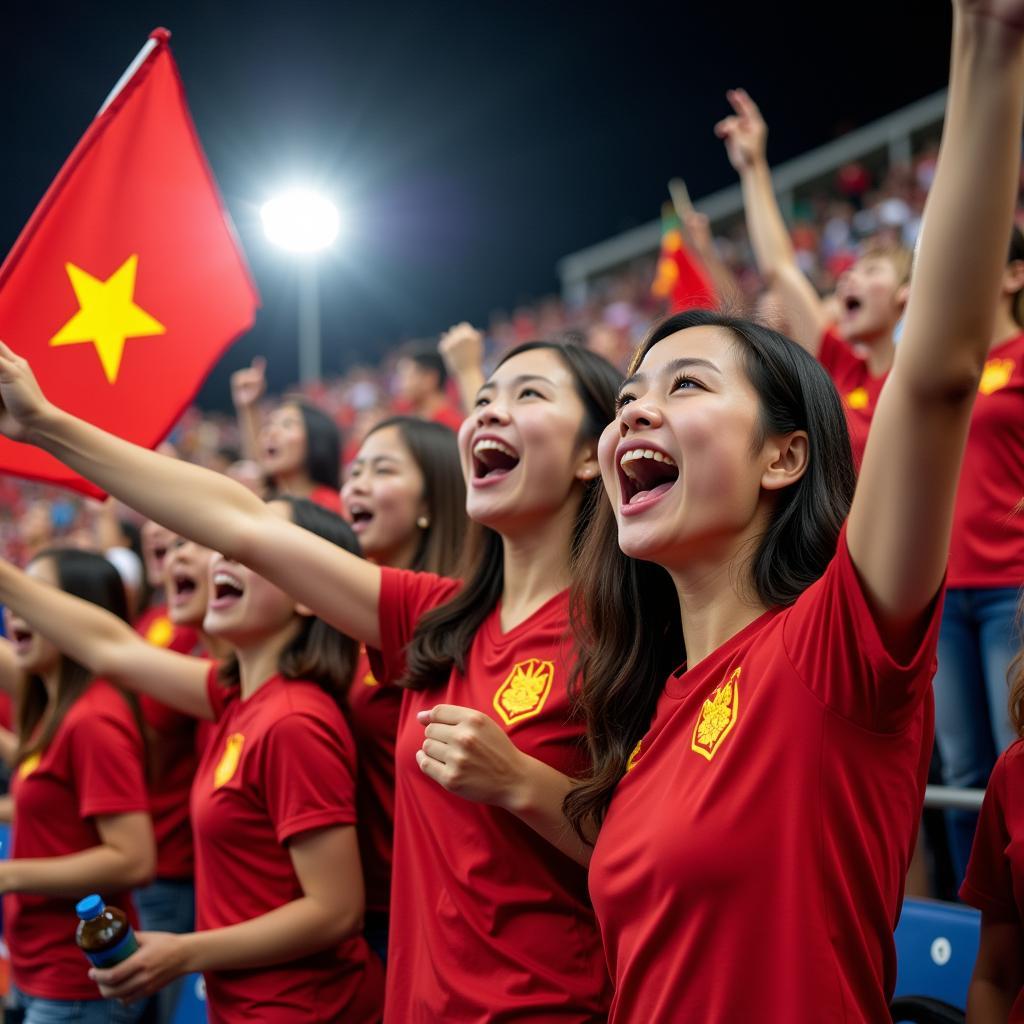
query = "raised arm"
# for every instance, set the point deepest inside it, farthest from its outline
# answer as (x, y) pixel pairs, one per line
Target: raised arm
(899, 526)
(462, 349)
(746, 135)
(698, 232)
(200, 504)
(247, 388)
(106, 645)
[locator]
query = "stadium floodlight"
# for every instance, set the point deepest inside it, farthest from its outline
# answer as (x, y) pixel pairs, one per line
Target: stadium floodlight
(300, 220)
(304, 222)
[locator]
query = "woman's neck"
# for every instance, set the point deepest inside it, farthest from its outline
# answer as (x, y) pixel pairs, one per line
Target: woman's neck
(879, 353)
(51, 683)
(296, 484)
(717, 597)
(258, 662)
(1006, 327)
(536, 565)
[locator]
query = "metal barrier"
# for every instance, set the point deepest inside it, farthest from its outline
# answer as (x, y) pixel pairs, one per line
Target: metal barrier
(949, 798)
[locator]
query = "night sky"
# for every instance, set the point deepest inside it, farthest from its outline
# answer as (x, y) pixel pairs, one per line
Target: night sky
(472, 144)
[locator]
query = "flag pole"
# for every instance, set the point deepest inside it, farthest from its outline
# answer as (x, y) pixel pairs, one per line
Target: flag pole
(155, 38)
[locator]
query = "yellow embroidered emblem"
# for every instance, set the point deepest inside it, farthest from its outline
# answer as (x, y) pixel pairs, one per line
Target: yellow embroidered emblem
(634, 756)
(368, 680)
(524, 692)
(996, 375)
(228, 764)
(717, 717)
(28, 766)
(160, 632)
(858, 398)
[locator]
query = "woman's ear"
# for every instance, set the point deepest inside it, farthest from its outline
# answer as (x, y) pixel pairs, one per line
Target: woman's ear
(788, 460)
(587, 467)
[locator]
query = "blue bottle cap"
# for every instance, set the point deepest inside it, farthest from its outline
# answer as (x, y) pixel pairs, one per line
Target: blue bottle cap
(92, 906)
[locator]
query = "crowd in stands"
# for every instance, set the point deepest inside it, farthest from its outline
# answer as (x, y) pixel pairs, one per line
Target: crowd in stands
(634, 680)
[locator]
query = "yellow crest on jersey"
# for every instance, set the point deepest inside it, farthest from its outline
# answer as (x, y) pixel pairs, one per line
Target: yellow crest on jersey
(228, 763)
(524, 692)
(717, 717)
(160, 632)
(634, 756)
(996, 375)
(28, 766)
(858, 398)
(368, 680)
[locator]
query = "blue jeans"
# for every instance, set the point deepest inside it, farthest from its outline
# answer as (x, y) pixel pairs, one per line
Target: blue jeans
(977, 642)
(167, 906)
(75, 1011)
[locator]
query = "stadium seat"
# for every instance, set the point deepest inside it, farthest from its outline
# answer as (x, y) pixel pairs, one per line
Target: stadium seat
(191, 1007)
(936, 946)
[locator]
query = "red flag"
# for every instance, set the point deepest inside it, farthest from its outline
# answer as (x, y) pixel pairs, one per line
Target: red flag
(127, 283)
(680, 278)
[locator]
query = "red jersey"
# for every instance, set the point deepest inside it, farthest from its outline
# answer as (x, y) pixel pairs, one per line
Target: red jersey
(328, 498)
(373, 717)
(171, 748)
(279, 764)
(488, 921)
(987, 547)
(995, 874)
(448, 416)
(751, 864)
(857, 388)
(92, 767)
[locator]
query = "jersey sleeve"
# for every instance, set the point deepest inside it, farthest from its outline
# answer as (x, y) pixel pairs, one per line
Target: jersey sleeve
(988, 884)
(404, 598)
(108, 763)
(835, 355)
(308, 770)
(833, 641)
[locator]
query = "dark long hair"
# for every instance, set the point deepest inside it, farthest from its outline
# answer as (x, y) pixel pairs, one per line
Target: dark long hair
(435, 451)
(1016, 252)
(626, 613)
(318, 653)
(1015, 673)
(89, 576)
(323, 445)
(443, 636)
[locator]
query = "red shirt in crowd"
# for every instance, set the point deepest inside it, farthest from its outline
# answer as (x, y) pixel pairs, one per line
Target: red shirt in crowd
(987, 547)
(751, 864)
(373, 717)
(857, 388)
(995, 874)
(92, 767)
(328, 498)
(449, 416)
(279, 764)
(171, 750)
(488, 921)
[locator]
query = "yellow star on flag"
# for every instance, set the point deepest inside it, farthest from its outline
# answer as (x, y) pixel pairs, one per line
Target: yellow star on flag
(107, 316)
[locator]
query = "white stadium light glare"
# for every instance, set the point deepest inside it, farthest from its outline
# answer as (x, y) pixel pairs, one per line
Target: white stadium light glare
(301, 221)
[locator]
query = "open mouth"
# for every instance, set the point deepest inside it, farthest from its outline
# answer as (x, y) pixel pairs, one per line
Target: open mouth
(645, 474)
(851, 304)
(159, 553)
(183, 588)
(21, 640)
(360, 516)
(493, 459)
(227, 590)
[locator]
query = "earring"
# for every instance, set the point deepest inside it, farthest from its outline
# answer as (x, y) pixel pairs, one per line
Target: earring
(423, 522)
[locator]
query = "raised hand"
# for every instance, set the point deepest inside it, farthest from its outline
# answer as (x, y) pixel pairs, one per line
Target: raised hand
(698, 230)
(249, 384)
(22, 402)
(462, 348)
(744, 132)
(470, 755)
